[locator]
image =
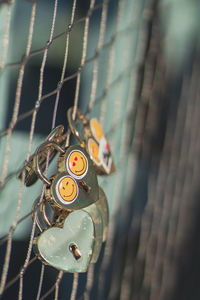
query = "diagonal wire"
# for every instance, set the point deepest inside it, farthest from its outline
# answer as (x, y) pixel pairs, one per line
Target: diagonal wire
(64, 64)
(5, 39)
(89, 282)
(92, 99)
(83, 58)
(99, 48)
(57, 284)
(40, 88)
(54, 287)
(74, 287)
(12, 281)
(40, 282)
(18, 95)
(74, 75)
(26, 263)
(48, 44)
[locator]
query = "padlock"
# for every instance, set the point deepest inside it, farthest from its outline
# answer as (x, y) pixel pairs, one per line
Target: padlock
(69, 248)
(75, 185)
(94, 142)
(71, 239)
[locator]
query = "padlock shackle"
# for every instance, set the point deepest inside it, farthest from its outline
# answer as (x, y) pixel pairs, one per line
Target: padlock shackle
(44, 213)
(56, 135)
(42, 207)
(36, 159)
(35, 215)
(72, 124)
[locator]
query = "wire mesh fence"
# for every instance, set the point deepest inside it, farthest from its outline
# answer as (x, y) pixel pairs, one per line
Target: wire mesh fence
(121, 62)
(83, 55)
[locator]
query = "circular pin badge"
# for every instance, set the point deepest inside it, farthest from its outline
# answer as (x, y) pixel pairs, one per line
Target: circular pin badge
(96, 129)
(67, 189)
(93, 149)
(77, 164)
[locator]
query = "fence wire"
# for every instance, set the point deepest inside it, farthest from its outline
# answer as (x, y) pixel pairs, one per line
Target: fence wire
(111, 101)
(111, 59)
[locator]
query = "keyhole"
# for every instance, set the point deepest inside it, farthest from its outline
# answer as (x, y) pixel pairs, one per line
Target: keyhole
(84, 186)
(73, 248)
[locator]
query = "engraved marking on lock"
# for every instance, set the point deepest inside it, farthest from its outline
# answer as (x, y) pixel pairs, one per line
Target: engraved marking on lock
(77, 164)
(83, 185)
(73, 248)
(97, 131)
(67, 189)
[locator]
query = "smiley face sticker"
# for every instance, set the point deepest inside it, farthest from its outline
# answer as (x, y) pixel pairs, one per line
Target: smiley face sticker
(67, 189)
(77, 164)
(96, 129)
(93, 148)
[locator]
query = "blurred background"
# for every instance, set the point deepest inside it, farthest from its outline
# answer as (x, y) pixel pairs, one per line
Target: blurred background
(133, 64)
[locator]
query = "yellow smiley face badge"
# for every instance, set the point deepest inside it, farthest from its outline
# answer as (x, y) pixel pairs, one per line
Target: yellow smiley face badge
(93, 148)
(67, 189)
(97, 131)
(77, 164)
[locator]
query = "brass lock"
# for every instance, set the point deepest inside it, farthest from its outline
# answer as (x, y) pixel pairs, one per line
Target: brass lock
(94, 142)
(75, 185)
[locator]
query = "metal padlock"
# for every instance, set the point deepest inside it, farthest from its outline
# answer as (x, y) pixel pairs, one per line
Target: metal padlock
(69, 248)
(94, 142)
(75, 185)
(71, 244)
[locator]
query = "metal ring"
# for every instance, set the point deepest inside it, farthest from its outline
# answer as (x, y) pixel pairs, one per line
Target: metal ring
(35, 215)
(55, 133)
(44, 214)
(72, 124)
(36, 164)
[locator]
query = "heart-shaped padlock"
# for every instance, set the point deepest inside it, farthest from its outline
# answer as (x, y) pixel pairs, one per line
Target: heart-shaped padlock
(94, 142)
(99, 215)
(69, 248)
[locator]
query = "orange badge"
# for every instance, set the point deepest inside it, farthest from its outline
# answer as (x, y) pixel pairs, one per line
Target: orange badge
(94, 150)
(97, 131)
(67, 189)
(77, 164)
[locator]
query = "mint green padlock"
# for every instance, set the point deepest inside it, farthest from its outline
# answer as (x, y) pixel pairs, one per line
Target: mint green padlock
(73, 244)
(69, 248)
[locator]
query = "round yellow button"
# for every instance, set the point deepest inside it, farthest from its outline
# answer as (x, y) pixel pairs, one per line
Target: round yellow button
(77, 164)
(67, 189)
